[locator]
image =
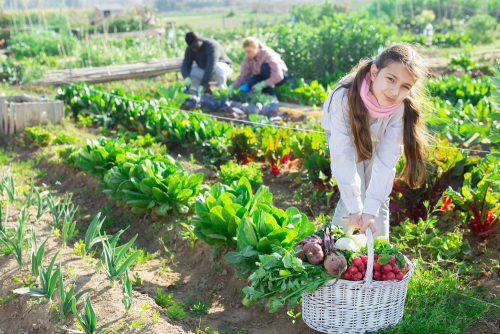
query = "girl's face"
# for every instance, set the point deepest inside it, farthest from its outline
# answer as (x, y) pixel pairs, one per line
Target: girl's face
(391, 84)
(250, 52)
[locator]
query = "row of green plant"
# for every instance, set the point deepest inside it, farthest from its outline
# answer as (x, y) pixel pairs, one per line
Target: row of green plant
(47, 282)
(142, 179)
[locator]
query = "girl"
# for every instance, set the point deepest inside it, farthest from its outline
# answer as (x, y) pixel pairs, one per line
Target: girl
(371, 113)
(262, 68)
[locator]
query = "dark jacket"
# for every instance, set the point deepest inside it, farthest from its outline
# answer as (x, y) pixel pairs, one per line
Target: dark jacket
(209, 54)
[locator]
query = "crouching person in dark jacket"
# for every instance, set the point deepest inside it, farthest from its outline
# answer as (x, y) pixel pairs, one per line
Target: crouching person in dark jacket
(210, 63)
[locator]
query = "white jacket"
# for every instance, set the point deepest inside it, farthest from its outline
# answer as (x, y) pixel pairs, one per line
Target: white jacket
(387, 139)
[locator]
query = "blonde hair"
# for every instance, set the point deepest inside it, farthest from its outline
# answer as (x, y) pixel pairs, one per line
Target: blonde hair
(415, 137)
(251, 42)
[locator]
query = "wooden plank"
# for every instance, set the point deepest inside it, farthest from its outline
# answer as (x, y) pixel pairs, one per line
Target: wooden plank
(110, 73)
(60, 111)
(11, 120)
(5, 116)
(50, 116)
(2, 106)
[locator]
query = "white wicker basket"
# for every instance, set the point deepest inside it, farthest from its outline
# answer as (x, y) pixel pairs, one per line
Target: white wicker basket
(356, 306)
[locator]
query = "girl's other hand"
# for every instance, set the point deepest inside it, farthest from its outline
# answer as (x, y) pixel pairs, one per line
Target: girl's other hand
(367, 220)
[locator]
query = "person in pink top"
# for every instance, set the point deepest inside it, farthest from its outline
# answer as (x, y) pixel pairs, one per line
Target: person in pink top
(262, 69)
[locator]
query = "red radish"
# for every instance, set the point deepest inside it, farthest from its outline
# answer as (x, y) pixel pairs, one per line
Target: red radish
(358, 277)
(392, 259)
(395, 268)
(377, 275)
(384, 276)
(376, 266)
(399, 276)
(390, 276)
(352, 270)
(364, 259)
(362, 267)
(357, 262)
(387, 268)
(347, 275)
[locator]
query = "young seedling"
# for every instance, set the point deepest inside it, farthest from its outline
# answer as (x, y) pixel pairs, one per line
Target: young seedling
(36, 254)
(115, 258)
(59, 210)
(48, 282)
(127, 291)
(15, 244)
(2, 225)
(87, 319)
(29, 195)
(56, 211)
(10, 187)
(67, 298)
(41, 204)
(68, 224)
(93, 234)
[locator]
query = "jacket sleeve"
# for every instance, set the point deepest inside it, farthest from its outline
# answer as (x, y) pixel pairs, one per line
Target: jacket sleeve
(245, 73)
(276, 71)
(343, 151)
(187, 63)
(211, 60)
(386, 156)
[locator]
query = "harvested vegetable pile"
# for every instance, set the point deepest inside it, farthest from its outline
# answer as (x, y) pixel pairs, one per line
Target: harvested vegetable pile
(284, 275)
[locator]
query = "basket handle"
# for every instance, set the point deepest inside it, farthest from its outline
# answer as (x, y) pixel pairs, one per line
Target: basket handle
(371, 251)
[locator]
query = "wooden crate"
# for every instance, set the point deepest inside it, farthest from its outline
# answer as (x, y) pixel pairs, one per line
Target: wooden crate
(21, 111)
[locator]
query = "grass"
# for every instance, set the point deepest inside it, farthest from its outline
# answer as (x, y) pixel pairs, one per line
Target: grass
(219, 19)
(436, 304)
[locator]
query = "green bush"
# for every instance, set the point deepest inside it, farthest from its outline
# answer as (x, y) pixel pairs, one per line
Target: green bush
(481, 28)
(39, 135)
(333, 45)
(231, 172)
(123, 24)
(37, 42)
(9, 71)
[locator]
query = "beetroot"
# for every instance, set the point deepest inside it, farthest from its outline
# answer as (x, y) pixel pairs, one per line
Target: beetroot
(312, 238)
(314, 253)
(335, 262)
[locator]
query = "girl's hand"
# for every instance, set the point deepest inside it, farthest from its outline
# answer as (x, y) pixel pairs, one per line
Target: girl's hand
(367, 220)
(355, 219)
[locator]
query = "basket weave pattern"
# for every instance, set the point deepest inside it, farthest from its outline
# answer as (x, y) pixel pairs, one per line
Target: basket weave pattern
(356, 306)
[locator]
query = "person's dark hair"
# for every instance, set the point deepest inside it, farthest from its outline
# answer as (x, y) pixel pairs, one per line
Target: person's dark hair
(191, 37)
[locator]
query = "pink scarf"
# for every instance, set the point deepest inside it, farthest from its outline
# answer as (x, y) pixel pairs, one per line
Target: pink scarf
(375, 110)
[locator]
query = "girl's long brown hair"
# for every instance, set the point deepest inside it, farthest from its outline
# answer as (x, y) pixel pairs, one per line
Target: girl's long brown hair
(415, 135)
